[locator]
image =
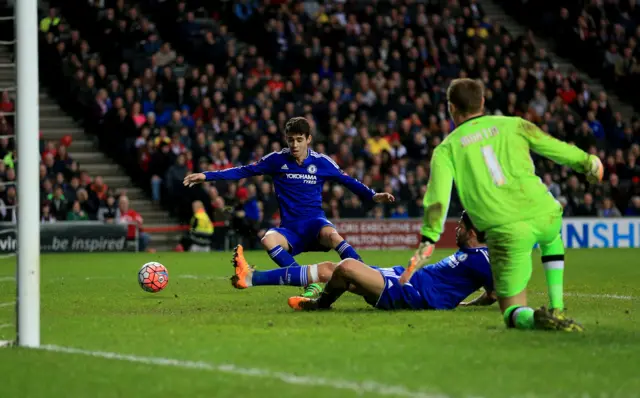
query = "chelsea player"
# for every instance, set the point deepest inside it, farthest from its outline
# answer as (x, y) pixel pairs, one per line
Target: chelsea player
(441, 286)
(299, 174)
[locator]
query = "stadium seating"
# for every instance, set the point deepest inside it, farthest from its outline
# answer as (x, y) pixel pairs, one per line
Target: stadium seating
(209, 86)
(595, 34)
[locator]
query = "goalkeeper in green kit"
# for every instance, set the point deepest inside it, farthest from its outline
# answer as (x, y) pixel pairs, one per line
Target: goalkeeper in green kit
(488, 158)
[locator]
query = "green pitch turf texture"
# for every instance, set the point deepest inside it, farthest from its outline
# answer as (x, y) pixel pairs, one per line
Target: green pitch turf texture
(230, 343)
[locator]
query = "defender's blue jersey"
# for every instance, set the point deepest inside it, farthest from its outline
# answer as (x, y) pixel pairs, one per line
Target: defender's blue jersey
(297, 187)
(445, 284)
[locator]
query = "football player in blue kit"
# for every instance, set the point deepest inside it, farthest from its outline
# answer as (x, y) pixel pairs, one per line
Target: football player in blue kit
(299, 174)
(440, 286)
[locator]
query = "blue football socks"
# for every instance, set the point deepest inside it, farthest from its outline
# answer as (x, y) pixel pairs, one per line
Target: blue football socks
(282, 257)
(345, 251)
(293, 276)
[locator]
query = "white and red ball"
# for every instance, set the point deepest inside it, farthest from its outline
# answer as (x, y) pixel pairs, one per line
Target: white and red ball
(153, 277)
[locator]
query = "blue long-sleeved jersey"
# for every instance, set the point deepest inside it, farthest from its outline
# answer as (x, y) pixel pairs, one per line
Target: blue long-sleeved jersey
(449, 281)
(297, 187)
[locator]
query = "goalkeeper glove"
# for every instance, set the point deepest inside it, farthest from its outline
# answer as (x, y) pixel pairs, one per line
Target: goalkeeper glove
(419, 260)
(594, 170)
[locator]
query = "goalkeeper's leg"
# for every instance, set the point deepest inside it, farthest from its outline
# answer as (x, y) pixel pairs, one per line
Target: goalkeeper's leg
(553, 262)
(552, 248)
(511, 247)
(511, 269)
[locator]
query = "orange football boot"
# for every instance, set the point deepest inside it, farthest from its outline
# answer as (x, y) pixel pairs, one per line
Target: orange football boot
(243, 271)
(299, 303)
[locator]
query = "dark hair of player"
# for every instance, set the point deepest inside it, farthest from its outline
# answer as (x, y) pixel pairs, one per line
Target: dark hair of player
(297, 126)
(469, 225)
(466, 95)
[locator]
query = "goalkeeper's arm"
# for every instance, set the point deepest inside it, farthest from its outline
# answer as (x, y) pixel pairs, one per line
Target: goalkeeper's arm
(438, 195)
(561, 152)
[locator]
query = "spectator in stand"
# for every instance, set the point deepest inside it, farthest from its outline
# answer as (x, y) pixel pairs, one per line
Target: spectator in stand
(126, 215)
(608, 209)
(58, 204)
(634, 207)
(76, 213)
(246, 217)
(47, 217)
(6, 104)
(108, 211)
(587, 208)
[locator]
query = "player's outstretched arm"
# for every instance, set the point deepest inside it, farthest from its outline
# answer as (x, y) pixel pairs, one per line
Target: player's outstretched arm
(364, 192)
(436, 199)
(485, 299)
(561, 152)
(263, 166)
(436, 205)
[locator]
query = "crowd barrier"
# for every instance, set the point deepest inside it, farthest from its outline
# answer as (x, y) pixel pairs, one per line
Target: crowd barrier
(363, 234)
(75, 237)
(577, 233)
(583, 233)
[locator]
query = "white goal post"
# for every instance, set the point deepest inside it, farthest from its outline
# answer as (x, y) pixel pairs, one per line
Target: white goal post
(28, 161)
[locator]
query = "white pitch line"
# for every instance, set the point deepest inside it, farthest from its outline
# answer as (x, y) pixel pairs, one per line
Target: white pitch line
(197, 277)
(9, 304)
(7, 278)
(605, 296)
(368, 387)
(5, 325)
(594, 296)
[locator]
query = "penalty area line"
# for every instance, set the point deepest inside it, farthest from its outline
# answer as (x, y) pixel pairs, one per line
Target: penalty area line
(365, 387)
(606, 296)
(593, 295)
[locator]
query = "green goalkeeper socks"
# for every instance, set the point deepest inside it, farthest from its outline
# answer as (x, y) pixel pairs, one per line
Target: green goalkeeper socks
(519, 317)
(554, 274)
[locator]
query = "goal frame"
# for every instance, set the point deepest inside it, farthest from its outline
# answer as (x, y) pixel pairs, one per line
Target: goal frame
(28, 157)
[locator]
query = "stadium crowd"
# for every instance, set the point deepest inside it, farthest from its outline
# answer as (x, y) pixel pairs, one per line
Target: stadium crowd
(67, 193)
(601, 36)
(169, 90)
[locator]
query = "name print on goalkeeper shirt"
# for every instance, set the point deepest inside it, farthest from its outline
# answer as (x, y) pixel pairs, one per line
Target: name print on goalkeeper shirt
(479, 136)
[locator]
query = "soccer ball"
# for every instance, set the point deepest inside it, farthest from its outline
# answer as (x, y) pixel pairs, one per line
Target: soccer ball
(153, 277)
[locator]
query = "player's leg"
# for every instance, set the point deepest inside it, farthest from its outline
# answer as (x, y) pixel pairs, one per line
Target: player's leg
(246, 276)
(349, 275)
(510, 248)
(553, 263)
(278, 242)
(552, 250)
(329, 237)
(511, 266)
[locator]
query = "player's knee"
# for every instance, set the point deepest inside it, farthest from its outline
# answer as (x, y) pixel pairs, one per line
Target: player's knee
(268, 241)
(348, 267)
(328, 236)
(326, 270)
(273, 239)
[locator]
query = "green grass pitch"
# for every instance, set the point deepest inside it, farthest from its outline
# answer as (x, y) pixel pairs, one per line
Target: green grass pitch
(202, 338)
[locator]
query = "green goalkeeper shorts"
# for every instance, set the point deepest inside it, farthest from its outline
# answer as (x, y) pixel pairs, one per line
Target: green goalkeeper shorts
(511, 246)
